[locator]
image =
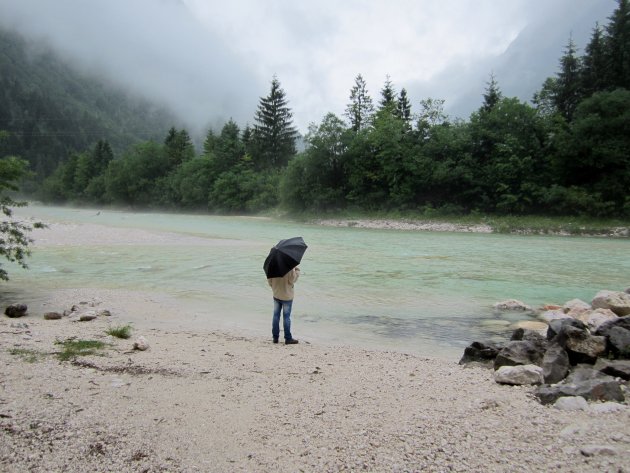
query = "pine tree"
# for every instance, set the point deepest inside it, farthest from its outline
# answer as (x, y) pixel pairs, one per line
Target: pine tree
(492, 95)
(568, 91)
(403, 108)
(618, 45)
(209, 143)
(179, 146)
(360, 109)
(594, 70)
(388, 96)
(273, 132)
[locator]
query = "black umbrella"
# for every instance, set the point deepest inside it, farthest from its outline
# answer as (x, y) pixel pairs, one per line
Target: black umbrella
(283, 257)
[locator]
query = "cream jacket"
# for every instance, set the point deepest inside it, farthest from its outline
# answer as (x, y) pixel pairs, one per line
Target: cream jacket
(283, 287)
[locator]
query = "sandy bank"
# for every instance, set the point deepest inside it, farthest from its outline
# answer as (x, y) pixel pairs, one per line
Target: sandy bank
(213, 401)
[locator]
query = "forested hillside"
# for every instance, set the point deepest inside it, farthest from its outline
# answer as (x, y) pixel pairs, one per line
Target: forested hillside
(50, 109)
(564, 153)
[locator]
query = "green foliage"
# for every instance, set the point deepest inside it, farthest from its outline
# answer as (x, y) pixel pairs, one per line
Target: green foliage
(71, 348)
(30, 356)
(14, 240)
(360, 109)
(121, 331)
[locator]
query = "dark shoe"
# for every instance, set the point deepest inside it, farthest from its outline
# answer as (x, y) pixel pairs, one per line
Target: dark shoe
(293, 341)
(275, 340)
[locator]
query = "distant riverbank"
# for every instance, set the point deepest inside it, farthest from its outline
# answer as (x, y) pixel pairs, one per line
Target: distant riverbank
(526, 226)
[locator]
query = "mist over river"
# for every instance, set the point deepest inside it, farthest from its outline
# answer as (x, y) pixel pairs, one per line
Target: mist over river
(429, 293)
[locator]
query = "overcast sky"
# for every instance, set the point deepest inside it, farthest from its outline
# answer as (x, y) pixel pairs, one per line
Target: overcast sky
(211, 60)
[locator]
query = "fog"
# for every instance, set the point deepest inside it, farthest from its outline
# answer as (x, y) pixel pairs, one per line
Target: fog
(210, 61)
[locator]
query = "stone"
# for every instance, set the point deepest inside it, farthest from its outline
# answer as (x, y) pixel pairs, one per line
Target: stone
(141, 344)
(592, 450)
(87, 316)
(584, 349)
(607, 408)
(531, 325)
(603, 389)
(512, 304)
(550, 307)
(593, 319)
(533, 336)
(555, 364)
(550, 315)
(555, 326)
(52, 316)
(616, 368)
(480, 352)
(518, 352)
(571, 403)
(623, 322)
(619, 341)
(519, 375)
(103, 313)
(585, 373)
(618, 302)
(576, 305)
(16, 310)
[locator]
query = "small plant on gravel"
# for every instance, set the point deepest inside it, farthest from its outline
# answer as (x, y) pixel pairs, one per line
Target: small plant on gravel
(30, 356)
(73, 348)
(122, 331)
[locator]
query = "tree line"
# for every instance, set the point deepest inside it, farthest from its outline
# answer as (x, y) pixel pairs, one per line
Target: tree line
(565, 153)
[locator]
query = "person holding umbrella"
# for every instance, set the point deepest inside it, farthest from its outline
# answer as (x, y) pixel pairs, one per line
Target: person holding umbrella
(282, 274)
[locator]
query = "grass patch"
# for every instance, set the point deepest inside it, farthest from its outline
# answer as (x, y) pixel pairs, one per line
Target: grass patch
(30, 356)
(71, 348)
(121, 331)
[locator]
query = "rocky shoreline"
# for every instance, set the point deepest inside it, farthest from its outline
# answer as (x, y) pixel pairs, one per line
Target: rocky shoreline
(431, 226)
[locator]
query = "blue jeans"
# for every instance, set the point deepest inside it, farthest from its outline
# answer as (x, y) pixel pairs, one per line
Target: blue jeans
(285, 307)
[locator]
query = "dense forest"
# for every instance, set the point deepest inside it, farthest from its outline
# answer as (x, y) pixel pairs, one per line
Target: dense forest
(565, 153)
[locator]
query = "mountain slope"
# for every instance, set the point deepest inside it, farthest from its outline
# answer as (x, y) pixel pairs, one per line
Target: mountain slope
(51, 109)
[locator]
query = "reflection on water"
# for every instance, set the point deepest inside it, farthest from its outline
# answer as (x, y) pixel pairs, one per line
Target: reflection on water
(429, 293)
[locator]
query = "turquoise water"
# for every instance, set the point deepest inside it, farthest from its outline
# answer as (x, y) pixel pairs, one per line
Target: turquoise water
(423, 292)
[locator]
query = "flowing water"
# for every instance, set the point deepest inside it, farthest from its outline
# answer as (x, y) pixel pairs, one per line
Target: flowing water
(429, 293)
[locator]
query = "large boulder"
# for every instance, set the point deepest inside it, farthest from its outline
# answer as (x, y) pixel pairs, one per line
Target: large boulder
(576, 306)
(519, 375)
(480, 352)
(555, 326)
(601, 389)
(617, 333)
(616, 368)
(555, 364)
(584, 348)
(550, 315)
(16, 310)
(519, 352)
(618, 302)
(533, 336)
(593, 319)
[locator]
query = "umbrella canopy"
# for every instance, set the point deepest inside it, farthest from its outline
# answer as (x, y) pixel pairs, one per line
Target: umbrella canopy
(283, 257)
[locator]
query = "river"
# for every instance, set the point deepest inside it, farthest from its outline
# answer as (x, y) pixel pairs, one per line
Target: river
(428, 293)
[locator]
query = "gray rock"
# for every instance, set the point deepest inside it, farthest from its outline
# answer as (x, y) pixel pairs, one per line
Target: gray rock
(87, 316)
(555, 326)
(592, 450)
(596, 318)
(585, 373)
(571, 403)
(141, 344)
(104, 313)
(618, 302)
(607, 408)
(616, 368)
(519, 375)
(555, 364)
(52, 316)
(619, 342)
(16, 310)
(533, 336)
(518, 353)
(576, 305)
(584, 349)
(483, 352)
(550, 315)
(604, 389)
(512, 304)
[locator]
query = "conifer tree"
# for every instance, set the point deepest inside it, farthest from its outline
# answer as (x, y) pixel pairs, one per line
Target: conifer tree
(492, 95)
(360, 109)
(273, 132)
(388, 96)
(618, 45)
(403, 108)
(594, 70)
(568, 92)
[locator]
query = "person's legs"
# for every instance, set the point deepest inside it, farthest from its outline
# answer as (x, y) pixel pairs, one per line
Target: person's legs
(275, 324)
(286, 319)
